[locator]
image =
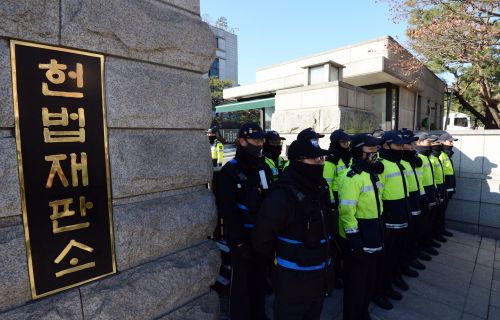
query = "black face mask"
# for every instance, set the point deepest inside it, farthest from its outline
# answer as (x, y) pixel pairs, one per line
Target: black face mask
(392, 155)
(436, 150)
(409, 156)
(211, 139)
(377, 167)
(272, 152)
(253, 150)
(448, 150)
(426, 151)
(311, 172)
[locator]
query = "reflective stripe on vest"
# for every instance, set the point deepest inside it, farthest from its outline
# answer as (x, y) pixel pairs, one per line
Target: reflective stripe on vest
(292, 265)
(338, 169)
(366, 188)
(396, 225)
(322, 241)
(394, 174)
(348, 202)
(242, 206)
(351, 230)
(372, 250)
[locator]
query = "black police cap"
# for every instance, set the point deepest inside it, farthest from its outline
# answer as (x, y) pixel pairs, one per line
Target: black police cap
(309, 133)
(358, 141)
(395, 137)
(251, 130)
(305, 148)
(339, 134)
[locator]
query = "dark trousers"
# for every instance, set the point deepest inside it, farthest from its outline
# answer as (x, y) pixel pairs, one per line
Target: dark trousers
(214, 162)
(393, 261)
(247, 298)
(359, 285)
(414, 235)
(439, 220)
(425, 234)
(306, 309)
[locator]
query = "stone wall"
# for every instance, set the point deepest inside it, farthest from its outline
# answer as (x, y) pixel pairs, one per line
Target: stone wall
(158, 106)
(475, 207)
(325, 107)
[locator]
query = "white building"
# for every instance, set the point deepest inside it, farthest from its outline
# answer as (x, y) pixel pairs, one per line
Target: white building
(358, 88)
(225, 65)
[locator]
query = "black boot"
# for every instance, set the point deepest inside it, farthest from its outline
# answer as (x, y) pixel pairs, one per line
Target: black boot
(400, 284)
(383, 302)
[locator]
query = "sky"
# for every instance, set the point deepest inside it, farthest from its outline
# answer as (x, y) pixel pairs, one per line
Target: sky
(275, 31)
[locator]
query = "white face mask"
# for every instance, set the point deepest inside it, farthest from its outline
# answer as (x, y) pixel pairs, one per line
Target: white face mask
(371, 157)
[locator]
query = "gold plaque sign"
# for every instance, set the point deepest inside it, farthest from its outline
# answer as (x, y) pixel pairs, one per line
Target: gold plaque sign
(62, 152)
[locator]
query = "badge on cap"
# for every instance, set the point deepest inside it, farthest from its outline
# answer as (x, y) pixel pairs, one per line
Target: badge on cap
(315, 143)
(250, 130)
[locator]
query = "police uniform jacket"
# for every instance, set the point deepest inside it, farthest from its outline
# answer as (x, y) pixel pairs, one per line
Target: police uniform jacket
(239, 196)
(295, 227)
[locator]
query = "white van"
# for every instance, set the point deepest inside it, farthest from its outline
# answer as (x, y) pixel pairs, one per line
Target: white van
(457, 121)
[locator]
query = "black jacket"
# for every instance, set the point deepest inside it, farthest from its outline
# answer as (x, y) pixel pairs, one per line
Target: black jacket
(239, 196)
(295, 226)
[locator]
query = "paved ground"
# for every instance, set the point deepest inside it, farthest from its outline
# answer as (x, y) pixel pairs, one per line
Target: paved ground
(461, 283)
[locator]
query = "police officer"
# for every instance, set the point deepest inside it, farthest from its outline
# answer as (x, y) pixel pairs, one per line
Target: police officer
(423, 146)
(216, 147)
(272, 152)
(336, 165)
(295, 226)
(361, 223)
(241, 187)
(449, 173)
(438, 225)
(395, 196)
(412, 162)
(337, 162)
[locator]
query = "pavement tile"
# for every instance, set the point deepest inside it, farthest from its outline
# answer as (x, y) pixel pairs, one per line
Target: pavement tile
(444, 281)
(494, 313)
(496, 274)
(496, 264)
(495, 285)
(477, 301)
(487, 244)
(464, 269)
(467, 316)
(430, 308)
(485, 257)
(465, 238)
(495, 299)
(449, 297)
(460, 264)
(482, 276)
(460, 251)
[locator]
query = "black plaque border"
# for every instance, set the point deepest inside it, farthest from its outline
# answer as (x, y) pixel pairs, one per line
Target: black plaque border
(13, 44)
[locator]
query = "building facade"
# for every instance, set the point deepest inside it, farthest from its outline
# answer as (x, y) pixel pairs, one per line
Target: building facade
(225, 64)
(358, 88)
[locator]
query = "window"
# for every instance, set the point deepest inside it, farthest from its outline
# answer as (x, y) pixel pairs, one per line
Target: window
(214, 69)
(379, 98)
(316, 74)
(217, 41)
(334, 73)
(460, 122)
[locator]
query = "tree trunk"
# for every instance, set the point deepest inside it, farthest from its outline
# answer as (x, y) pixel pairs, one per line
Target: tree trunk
(470, 108)
(489, 104)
